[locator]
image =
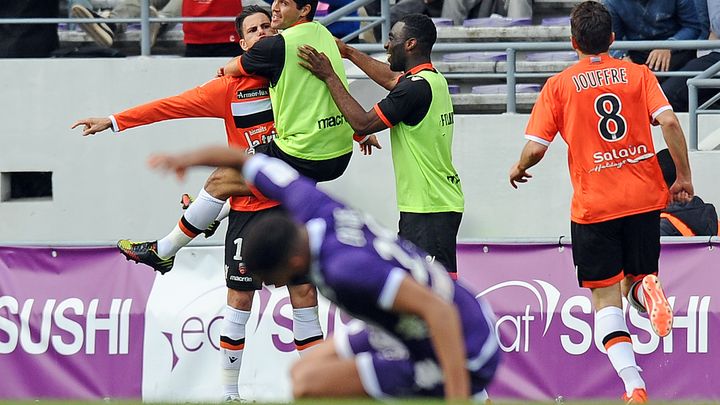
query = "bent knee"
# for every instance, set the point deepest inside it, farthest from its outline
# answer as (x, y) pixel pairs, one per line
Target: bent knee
(226, 182)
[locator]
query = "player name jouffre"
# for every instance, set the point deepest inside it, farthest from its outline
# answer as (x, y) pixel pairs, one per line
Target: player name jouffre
(598, 78)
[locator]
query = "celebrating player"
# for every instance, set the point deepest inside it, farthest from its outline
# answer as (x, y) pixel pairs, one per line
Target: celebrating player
(243, 103)
(603, 108)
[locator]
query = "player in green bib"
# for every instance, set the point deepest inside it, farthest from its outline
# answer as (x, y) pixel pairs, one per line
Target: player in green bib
(313, 136)
(419, 113)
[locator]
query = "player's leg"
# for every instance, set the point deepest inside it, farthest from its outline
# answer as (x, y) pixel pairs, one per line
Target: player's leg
(306, 322)
(241, 288)
(598, 257)
(160, 255)
(435, 233)
(232, 339)
(642, 252)
(207, 207)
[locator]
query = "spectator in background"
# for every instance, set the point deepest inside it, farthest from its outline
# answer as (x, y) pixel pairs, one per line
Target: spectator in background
(104, 33)
(675, 88)
(28, 40)
(211, 38)
(342, 28)
(645, 20)
(694, 218)
(460, 10)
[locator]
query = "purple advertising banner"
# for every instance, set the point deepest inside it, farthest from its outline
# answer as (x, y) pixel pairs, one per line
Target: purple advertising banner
(545, 324)
(71, 323)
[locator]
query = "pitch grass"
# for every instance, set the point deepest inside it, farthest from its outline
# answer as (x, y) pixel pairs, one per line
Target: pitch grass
(359, 402)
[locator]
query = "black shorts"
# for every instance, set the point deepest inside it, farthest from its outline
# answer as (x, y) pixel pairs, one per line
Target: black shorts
(435, 233)
(318, 170)
(605, 252)
(239, 222)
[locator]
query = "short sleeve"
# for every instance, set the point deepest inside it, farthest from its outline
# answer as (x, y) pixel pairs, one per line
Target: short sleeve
(542, 126)
(408, 102)
(656, 100)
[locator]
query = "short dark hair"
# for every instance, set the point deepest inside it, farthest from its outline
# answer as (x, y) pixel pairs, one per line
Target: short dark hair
(247, 12)
(420, 27)
(591, 26)
(313, 6)
(667, 166)
(270, 242)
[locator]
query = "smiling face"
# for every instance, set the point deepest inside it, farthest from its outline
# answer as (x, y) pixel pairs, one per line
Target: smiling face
(285, 13)
(255, 27)
(395, 47)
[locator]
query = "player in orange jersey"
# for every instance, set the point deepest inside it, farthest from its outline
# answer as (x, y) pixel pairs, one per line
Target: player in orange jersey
(603, 108)
(244, 104)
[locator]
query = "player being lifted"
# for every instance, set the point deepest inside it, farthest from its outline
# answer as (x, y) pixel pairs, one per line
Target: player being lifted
(244, 104)
(603, 108)
(429, 335)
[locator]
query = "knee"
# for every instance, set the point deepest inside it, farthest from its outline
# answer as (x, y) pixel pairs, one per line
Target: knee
(303, 295)
(241, 300)
(216, 185)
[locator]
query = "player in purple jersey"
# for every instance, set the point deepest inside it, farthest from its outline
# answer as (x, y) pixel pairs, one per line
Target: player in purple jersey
(423, 333)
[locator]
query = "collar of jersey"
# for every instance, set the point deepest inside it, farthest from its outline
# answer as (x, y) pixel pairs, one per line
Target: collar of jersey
(419, 68)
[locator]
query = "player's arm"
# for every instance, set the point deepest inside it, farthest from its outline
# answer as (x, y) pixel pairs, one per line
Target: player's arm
(443, 322)
(682, 190)
(214, 156)
(203, 101)
(532, 154)
(362, 122)
(378, 71)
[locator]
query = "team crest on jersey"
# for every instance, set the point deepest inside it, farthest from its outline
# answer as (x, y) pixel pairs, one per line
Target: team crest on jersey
(242, 269)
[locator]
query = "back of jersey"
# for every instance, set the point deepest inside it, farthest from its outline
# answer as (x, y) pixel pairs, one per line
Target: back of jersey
(603, 109)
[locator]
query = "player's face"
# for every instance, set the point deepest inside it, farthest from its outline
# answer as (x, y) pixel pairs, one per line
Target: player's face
(255, 27)
(395, 47)
(285, 13)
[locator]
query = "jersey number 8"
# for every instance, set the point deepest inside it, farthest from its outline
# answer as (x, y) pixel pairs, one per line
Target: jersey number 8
(612, 125)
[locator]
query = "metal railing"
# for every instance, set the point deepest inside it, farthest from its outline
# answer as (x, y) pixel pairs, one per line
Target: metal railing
(703, 80)
(511, 75)
(697, 79)
(145, 20)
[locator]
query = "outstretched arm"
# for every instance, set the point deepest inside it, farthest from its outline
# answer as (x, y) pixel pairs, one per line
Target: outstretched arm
(363, 122)
(443, 322)
(378, 71)
(214, 156)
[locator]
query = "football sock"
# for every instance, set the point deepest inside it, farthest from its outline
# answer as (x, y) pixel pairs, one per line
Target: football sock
(611, 331)
(224, 212)
(232, 343)
(201, 213)
(306, 327)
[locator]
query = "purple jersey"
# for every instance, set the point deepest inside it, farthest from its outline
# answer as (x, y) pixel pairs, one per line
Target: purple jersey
(359, 265)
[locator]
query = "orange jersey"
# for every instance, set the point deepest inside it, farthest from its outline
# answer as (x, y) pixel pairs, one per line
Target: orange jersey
(603, 108)
(242, 102)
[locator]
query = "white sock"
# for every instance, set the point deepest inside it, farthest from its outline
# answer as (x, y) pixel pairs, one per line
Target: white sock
(199, 215)
(224, 212)
(611, 332)
(232, 344)
(306, 328)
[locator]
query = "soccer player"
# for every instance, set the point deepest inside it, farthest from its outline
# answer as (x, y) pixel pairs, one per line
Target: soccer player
(312, 135)
(603, 108)
(426, 335)
(419, 113)
(243, 103)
